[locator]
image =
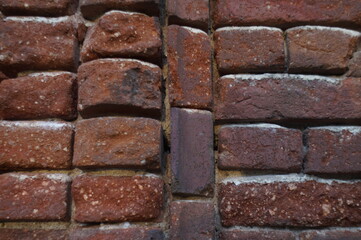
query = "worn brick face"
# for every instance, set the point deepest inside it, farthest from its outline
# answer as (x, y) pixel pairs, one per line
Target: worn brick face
(192, 220)
(33, 196)
(123, 34)
(116, 141)
(249, 49)
(335, 150)
(192, 152)
(189, 53)
(257, 235)
(37, 43)
(354, 65)
(33, 234)
(305, 203)
(117, 199)
(291, 97)
(260, 146)
(119, 85)
(331, 235)
(39, 95)
(35, 145)
(320, 50)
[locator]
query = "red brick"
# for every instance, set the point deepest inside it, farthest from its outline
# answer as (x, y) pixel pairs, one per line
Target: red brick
(189, 60)
(354, 65)
(257, 235)
(192, 220)
(323, 50)
(120, 142)
(331, 235)
(293, 201)
(37, 96)
(286, 13)
(192, 162)
(335, 150)
(249, 49)
(119, 86)
(287, 97)
(91, 9)
(117, 199)
(2, 76)
(193, 13)
(33, 196)
(111, 233)
(38, 7)
(37, 43)
(35, 145)
(260, 146)
(32, 234)
(123, 34)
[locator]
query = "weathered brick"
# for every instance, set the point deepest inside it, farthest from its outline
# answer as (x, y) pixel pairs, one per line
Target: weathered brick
(38, 7)
(2, 76)
(138, 233)
(35, 145)
(33, 196)
(189, 60)
(289, 201)
(39, 95)
(324, 50)
(257, 235)
(32, 234)
(192, 163)
(285, 13)
(37, 43)
(117, 141)
(291, 97)
(193, 13)
(91, 9)
(119, 86)
(260, 146)
(331, 235)
(123, 34)
(249, 49)
(116, 199)
(354, 65)
(192, 220)
(334, 150)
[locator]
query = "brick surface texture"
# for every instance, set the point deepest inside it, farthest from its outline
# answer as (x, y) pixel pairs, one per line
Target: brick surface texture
(180, 119)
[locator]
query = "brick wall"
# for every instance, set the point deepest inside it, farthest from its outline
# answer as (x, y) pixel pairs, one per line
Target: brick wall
(180, 119)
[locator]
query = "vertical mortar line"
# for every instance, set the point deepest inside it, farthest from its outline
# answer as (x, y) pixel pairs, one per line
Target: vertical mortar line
(305, 149)
(287, 55)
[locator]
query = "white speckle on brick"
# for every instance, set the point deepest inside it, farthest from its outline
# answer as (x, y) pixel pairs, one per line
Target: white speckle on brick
(249, 29)
(51, 125)
(195, 30)
(337, 129)
(53, 176)
(258, 77)
(124, 12)
(257, 125)
(39, 19)
(115, 226)
(196, 111)
(322, 28)
(50, 74)
(128, 60)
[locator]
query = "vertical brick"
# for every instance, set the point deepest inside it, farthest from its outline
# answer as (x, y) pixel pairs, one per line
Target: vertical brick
(260, 146)
(36, 197)
(35, 145)
(192, 161)
(189, 59)
(331, 235)
(257, 235)
(33, 234)
(192, 220)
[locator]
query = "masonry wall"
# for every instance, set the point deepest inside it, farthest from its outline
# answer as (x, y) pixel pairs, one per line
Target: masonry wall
(180, 119)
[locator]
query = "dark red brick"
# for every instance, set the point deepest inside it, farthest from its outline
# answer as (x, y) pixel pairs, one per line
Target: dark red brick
(249, 49)
(117, 199)
(257, 235)
(37, 96)
(119, 86)
(37, 43)
(33, 234)
(38, 7)
(34, 196)
(123, 34)
(116, 141)
(292, 97)
(331, 235)
(35, 145)
(189, 60)
(2, 76)
(91, 9)
(193, 13)
(192, 162)
(192, 220)
(322, 50)
(260, 146)
(111, 233)
(285, 13)
(289, 201)
(354, 65)
(335, 150)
